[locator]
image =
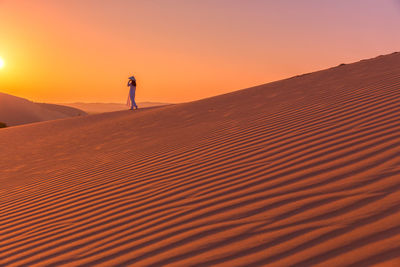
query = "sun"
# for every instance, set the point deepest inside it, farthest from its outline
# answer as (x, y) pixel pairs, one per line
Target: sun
(1, 63)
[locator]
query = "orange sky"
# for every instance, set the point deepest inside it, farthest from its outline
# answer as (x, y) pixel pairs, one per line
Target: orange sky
(181, 50)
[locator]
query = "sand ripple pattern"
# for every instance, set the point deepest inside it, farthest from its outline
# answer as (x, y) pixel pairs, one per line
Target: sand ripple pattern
(299, 172)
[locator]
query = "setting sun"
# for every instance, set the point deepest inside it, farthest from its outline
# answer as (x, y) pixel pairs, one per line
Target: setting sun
(1, 63)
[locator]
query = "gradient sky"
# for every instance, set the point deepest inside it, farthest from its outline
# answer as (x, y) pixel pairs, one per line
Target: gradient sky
(181, 50)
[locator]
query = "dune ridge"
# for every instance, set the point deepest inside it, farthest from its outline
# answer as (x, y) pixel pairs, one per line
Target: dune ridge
(17, 111)
(299, 172)
(95, 108)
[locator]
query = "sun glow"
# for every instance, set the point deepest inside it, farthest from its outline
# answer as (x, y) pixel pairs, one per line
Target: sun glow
(1, 63)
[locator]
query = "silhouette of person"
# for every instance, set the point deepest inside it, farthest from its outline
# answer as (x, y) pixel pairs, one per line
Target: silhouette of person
(132, 92)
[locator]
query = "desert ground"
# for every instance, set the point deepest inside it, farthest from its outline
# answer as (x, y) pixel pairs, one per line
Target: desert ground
(300, 172)
(96, 108)
(17, 111)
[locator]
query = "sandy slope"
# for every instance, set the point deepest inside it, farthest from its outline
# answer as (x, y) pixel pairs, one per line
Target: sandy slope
(66, 110)
(300, 172)
(95, 108)
(16, 111)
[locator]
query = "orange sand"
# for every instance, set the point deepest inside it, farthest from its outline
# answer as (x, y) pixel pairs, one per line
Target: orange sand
(17, 111)
(299, 172)
(95, 108)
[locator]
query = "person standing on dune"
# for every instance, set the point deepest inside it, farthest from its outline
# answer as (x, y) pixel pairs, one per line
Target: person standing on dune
(132, 91)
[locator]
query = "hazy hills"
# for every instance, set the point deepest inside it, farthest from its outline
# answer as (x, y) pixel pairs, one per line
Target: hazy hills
(16, 111)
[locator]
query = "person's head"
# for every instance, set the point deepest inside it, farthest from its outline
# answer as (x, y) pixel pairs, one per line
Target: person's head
(132, 82)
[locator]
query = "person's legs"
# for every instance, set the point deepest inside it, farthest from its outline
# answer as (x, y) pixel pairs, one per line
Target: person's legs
(132, 101)
(134, 104)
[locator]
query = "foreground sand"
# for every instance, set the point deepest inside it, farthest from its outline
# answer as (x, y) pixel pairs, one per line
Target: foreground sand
(299, 172)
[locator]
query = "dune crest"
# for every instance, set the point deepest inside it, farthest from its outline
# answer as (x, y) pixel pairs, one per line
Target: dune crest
(96, 108)
(299, 172)
(17, 111)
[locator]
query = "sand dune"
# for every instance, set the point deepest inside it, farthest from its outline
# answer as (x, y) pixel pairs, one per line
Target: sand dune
(66, 110)
(299, 172)
(95, 108)
(16, 111)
